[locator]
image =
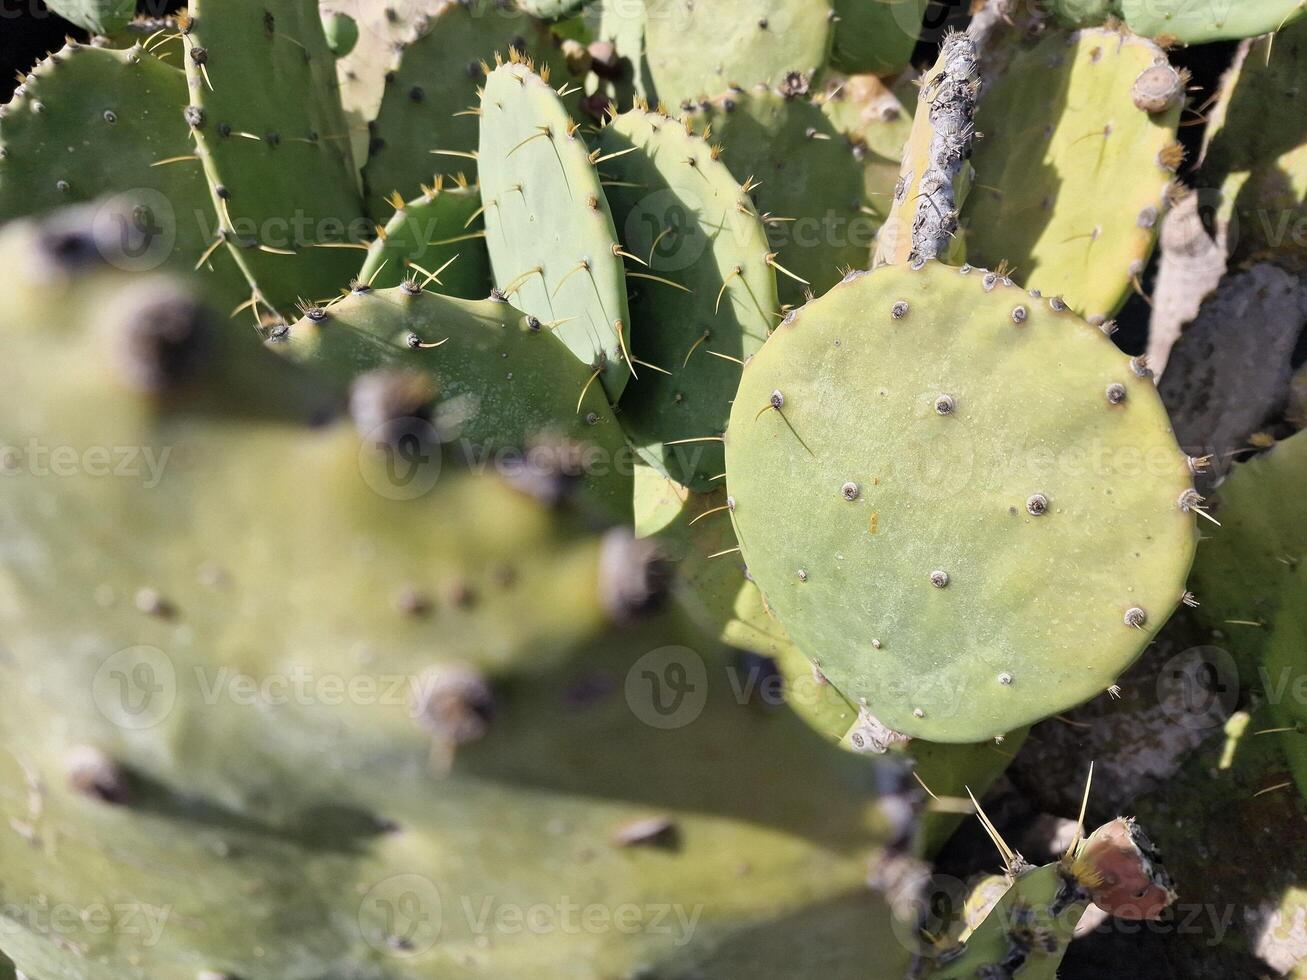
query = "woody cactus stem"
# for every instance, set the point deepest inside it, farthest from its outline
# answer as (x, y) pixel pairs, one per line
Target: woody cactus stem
(952, 118)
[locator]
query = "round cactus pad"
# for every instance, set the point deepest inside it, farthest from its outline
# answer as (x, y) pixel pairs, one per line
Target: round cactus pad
(964, 503)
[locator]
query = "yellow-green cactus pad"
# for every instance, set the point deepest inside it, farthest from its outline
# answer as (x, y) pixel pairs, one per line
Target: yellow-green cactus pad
(1072, 175)
(734, 43)
(965, 505)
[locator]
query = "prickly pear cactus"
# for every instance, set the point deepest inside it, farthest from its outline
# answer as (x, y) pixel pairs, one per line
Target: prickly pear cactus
(426, 122)
(806, 179)
(1198, 21)
(914, 457)
(96, 16)
(749, 45)
(1078, 159)
(491, 380)
(440, 232)
(1259, 171)
(876, 37)
(92, 124)
(269, 130)
(1027, 930)
(553, 250)
(273, 551)
(706, 298)
(876, 126)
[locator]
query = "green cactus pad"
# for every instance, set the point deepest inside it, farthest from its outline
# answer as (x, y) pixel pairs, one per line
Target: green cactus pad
(430, 96)
(441, 225)
(935, 174)
(623, 25)
(1200, 21)
(1025, 933)
(500, 383)
(1062, 124)
(877, 126)
(96, 16)
(750, 44)
(876, 37)
(1260, 170)
(809, 184)
(553, 249)
(266, 116)
(91, 124)
(1284, 677)
(341, 31)
(683, 216)
(1244, 570)
(1085, 13)
(971, 478)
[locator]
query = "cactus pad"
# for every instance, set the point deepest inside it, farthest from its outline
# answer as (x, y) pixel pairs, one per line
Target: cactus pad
(553, 248)
(92, 124)
(441, 229)
(265, 555)
(1199, 21)
(806, 180)
(96, 16)
(876, 37)
(1248, 569)
(949, 490)
(748, 44)
(268, 125)
(429, 100)
(876, 126)
(683, 216)
(1062, 124)
(500, 383)
(1260, 170)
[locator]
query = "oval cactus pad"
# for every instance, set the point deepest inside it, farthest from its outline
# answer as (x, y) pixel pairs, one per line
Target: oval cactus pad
(963, 502)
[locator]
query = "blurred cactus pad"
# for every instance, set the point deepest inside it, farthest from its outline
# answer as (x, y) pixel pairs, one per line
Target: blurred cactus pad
(652, 490)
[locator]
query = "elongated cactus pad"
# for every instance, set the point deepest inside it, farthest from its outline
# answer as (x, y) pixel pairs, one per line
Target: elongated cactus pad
(96, 16)
(93, 124)
(805, 178)
(876, 37)
(440, 231)
(1199, 21)
(936, 173)
(1063, 123)
(963, 503)
(686, 221)
(747, 45)
(499, 384)
(553, 248)
(266, 117)
(430, 98)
